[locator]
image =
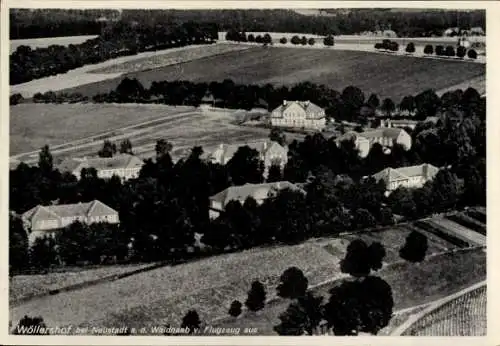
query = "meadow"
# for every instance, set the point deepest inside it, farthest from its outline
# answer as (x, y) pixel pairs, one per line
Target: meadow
(162, 296)
(383, 74)
(82, 128)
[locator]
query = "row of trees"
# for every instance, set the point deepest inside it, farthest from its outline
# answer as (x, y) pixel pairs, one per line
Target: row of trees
(241, 36)
(449, 51)
(351, 104)
(389, 45)
(118, 39)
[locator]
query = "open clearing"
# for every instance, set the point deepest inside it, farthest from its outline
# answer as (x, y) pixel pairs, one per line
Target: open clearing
(383, 74)
(48, 41)
(81, 128)
(209, 285)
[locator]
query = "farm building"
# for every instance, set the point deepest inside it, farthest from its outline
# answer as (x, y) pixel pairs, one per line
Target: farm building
(44, 220)
(451, 32)
(259, 192)
(299, 114)
(269, 152)
(409, 177)
(385, 136)
(125, 166)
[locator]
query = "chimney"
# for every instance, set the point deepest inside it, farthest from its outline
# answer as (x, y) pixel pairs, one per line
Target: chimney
(284, 102)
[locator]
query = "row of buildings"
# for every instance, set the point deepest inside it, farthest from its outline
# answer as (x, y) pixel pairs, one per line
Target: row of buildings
(46, 220)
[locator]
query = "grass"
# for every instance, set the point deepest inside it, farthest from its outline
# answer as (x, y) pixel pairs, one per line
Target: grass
(82, 133)
(27, 286)
(385, 75)
(411, 285)
(162, 296)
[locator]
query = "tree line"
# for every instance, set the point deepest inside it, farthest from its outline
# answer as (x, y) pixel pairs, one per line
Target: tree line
(337, 198)
(118, 39)
(266, 39)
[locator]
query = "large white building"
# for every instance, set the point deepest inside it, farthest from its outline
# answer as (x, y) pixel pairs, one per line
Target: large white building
(125, 166)
(300, 115)
(408, 177)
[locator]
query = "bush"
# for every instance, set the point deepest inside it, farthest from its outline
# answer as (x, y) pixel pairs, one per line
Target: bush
(256, 297)
(361, 259)
(235, 308)
(16, 99)
(439, 50)
(191, 320)
(36, 322)
(311, 41)
(410, 48)
(283, 40)
(394, 46)
(303, 40)
(251, 38)
(379, 45)
(415, 247)
(472, 54)
(329, 40)
(428, 49)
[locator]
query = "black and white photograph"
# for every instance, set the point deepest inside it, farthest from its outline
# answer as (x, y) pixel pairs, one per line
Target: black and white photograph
(247, 171)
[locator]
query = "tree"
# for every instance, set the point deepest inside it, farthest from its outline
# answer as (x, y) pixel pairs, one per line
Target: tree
(191, 320)
(373, 101)
(359, 306)
(407, 104)
(472, 54)
(360, 258)
(126, 147)
(283, 40)
(38, 326)
(293, 283)
(394, 46)
(129, 89)
(329, 40)
(274, 173)
(388, 106)
(410, 48)
(162, 147)
(267, 39)
(428, 49)
(362, 218)
(311, 41)
(461, 50)
(16, 99)
(295, 40)
(415, 247)
(108, 149)
(301, 317)
(439, 50)
(245, 166)
(303, 40)
(42, 252)
(251, 38)
(256, 297)
(277, 135)
(45, 160)
(235, 308)
(18, 244)
(450, 51)
(378, 45)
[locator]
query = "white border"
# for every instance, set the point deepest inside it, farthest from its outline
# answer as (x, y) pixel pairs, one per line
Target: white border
(493, 136)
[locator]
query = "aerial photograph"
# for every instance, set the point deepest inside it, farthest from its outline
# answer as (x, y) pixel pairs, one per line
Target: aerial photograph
(247, 172)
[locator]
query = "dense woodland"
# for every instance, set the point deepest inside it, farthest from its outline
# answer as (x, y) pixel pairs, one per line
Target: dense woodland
(168, 203)
(47, 23)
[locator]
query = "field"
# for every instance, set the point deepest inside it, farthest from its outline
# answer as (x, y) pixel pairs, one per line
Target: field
(163, 295)
(23, 287)
(47, 41)
(32, 126)
(383, 74)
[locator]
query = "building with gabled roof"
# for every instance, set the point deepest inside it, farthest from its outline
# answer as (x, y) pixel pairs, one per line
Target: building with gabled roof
(259, 192)
(299, 114)
(409, 177)
(45, 220)
(125, 166)
(385, 136)
(270, 153)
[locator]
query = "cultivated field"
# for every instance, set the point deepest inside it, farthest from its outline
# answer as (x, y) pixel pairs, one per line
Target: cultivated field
(32, 126)
(164, 295)
(48, 41)
(383, 74)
